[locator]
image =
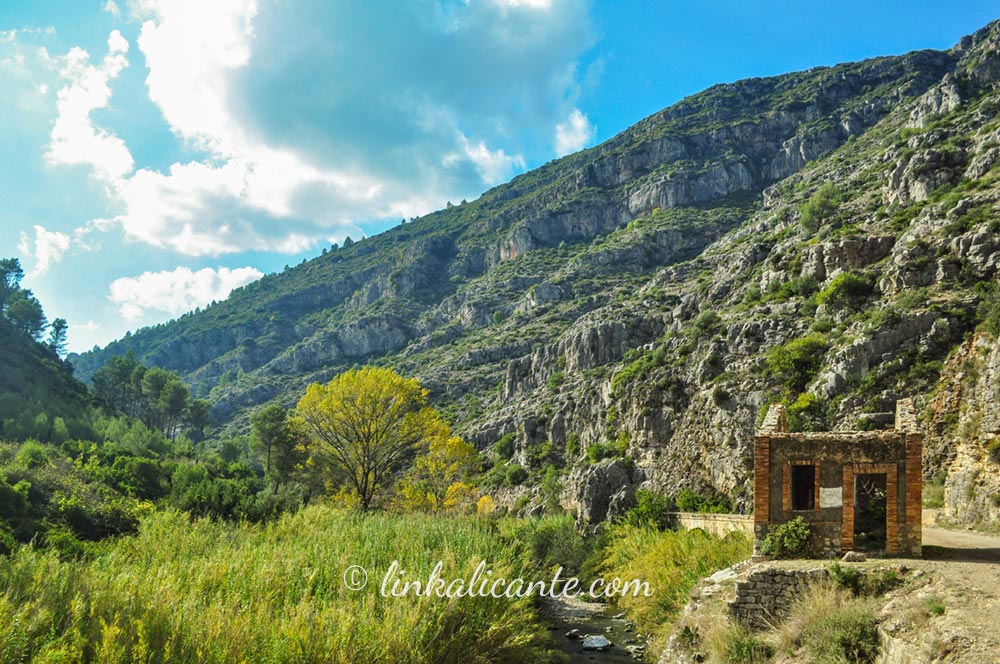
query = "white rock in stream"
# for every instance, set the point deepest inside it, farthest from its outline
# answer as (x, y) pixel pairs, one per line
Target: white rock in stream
(596, 642)
(636, 651)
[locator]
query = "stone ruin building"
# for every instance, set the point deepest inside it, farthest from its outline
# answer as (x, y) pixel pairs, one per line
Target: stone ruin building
(858, 490)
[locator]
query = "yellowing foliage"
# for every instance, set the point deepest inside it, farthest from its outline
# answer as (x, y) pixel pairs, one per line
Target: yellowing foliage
(437, 479)
(367, 423)
(486, 505)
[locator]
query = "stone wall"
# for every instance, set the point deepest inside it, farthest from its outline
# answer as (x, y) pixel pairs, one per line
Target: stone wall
(719, 525)
(766, 595)
(765, 592)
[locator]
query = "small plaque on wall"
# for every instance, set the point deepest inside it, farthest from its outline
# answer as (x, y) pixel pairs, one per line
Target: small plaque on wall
(832, 496)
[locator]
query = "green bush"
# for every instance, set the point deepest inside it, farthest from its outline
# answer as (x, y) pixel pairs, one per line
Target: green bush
(993, 450)
(846, 577)
(651, 509)
(515, 475)
(807, 413)
(707, 323)
(710, 502)
(934, 493)
(935, 606)
(803, 286)
(830, 625)
(572, 446)
(735, 644)
(672, 562)
(796, 362)
(556, 379)
(32, 454)
(788, 540)
(820, 208)
(848, 635)
(615, 448)
(554, 542)
(8, 544)
(505, 446)
(845, 288)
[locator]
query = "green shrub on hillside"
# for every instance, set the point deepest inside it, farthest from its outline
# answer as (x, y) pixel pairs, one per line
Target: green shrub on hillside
(515, 475)
(505, 446)
(796, 362)
(608, 450)
(820, 208)
(807, 413)
(845, 288)
(803, 286)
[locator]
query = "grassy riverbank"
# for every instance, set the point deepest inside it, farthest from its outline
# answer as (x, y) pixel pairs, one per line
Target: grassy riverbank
(218, 592)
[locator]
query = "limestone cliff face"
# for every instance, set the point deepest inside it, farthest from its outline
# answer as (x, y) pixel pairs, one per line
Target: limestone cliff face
(963, 444)
(631, 299)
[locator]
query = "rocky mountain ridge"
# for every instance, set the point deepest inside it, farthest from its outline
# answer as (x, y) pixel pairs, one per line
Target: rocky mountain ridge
(634, 301)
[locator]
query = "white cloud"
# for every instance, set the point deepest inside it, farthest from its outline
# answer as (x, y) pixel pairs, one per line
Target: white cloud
(27, 72)
(191, 48)
(176, 291)
(47, 249)
(75, 139)
(81, 235)
(494, 166)
(534, 4)
(573, 134)
(112, 8)
(315, 116)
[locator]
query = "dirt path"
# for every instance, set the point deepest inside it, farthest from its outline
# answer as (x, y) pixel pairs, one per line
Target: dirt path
(960, 545)
(963, 578)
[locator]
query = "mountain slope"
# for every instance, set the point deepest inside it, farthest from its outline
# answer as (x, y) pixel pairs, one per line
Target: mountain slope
(628, 298)
(36, 389)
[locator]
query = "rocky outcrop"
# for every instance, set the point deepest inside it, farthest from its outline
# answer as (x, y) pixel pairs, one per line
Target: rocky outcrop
(826, 259)
(600, 492)
(356, 340)
(963, 442)
(937, 101)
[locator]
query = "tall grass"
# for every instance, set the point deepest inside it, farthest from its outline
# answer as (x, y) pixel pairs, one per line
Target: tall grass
(672, 562)
(831, 625)
(183, 591)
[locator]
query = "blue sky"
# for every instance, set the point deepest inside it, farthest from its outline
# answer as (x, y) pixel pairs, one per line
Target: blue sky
(158, 153)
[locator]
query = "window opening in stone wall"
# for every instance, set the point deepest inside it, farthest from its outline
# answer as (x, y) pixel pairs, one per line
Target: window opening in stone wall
(803, 487)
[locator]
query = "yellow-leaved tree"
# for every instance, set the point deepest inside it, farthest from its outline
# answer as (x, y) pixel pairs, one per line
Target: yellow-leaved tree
(439, 478)
(368, 424)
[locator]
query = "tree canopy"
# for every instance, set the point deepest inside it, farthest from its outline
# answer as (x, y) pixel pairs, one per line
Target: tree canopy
(368, 423)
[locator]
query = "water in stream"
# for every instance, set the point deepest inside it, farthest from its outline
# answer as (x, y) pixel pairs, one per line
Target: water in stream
(591, 618)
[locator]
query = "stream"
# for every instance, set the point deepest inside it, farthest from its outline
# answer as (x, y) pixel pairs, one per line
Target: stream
(590, 618)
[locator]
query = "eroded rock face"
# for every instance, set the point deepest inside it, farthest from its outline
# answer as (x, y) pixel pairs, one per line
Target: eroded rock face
(963, 442)
(937, 101)
(824, 260)
(915, 177)
(601, 492)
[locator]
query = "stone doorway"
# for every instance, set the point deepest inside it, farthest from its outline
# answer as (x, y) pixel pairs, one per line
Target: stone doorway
(870, 515)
